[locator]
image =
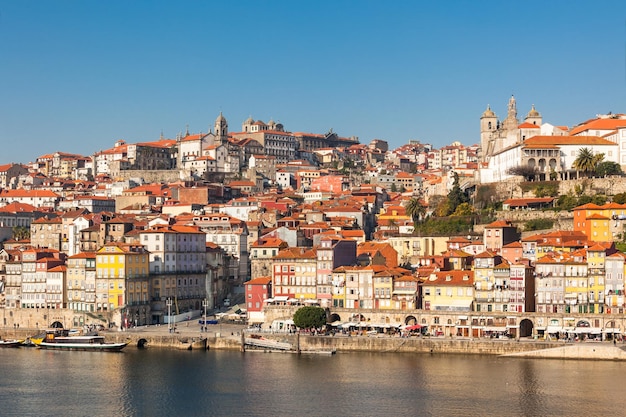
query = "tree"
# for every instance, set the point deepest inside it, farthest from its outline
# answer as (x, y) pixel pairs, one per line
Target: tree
(527, 172)
(309, 317)
(619, 198)
(608, 168)
(586, 161)
(415, 209)
(463, 209)
(21, 233)
(456, 196)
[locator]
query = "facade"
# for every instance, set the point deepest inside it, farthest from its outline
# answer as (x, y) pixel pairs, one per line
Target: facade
(81, 286)
(258, 290)
(122, 273)
(293, 274)
(42, 282)
(332, 252)
(177, 265)
(262, 253)
(230, 234)
(448, 291)
(498, 234)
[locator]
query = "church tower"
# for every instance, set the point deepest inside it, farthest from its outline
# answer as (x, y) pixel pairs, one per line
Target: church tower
(221, 129)
(511, 122)
(533, 117)
(488, 125)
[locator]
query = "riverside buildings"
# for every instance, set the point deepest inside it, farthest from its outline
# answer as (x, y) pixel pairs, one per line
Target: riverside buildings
(313, 219)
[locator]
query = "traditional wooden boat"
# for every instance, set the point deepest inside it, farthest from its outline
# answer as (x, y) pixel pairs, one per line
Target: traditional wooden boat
(60, 340)
(12, 343)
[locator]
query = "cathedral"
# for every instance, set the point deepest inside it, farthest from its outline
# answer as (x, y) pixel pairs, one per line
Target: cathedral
(496, 136)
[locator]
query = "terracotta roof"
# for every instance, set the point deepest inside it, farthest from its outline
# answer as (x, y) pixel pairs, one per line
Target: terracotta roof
(599, 124)
(567, 140)
(456, 278)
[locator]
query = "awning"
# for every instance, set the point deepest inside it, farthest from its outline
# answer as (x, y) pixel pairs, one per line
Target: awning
(336, 323)
(588, 330)
(413, 327)
(611, 330)
(495, 329)
(554, 329)
(462, 317)
(281, 298)
(268, 300)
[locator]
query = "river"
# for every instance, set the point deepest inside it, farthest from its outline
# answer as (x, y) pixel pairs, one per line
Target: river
(155, 382)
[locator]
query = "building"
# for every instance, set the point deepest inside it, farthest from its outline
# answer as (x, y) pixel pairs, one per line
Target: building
(258, 290)
(262, 253)
(81, 286)
(122, 278)
(177, 266)
(448, 291)
(294, 274)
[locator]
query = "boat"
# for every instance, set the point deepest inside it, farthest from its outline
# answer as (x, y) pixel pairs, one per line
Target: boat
(12, 343)
(261, 342)
(60, 340)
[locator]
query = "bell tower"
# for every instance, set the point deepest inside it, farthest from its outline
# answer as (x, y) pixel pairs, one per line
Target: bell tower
(488, 125)
(221, 129)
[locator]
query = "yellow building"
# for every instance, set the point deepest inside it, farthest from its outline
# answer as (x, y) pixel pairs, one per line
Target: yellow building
(122, 272)
(383, 288)
(600, 223)
(596, 257)
(448, 291)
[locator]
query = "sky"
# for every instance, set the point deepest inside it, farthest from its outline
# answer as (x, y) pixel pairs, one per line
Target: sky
(76, 76)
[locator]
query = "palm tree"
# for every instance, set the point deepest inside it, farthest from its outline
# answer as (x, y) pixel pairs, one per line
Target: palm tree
(586, 161)
(415, 209)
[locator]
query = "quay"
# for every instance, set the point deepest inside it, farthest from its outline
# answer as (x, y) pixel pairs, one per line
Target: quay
(233, 336)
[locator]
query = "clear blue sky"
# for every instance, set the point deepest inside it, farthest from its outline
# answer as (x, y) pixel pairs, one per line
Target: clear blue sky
(78, 75)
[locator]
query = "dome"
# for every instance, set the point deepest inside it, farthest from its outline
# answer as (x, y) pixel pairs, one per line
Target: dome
(533, 113)
(249, 120)
(489, 112)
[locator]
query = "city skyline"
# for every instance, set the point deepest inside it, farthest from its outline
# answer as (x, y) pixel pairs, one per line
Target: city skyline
(83, 75)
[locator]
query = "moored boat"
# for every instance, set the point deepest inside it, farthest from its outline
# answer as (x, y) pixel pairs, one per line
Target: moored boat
(60, 340)
(10, 343)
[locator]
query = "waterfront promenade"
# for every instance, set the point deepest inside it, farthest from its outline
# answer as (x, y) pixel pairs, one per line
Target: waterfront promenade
(229, 336)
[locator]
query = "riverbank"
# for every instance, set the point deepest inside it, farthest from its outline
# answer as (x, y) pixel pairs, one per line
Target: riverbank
(231, 336)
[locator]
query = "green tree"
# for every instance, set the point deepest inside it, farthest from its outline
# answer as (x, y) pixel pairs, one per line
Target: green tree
(415, 209)
(586, 161)
(309, 317)
(538, 224)
(566, 202)
(608, 168)
(619, 198)
(20, 233)
(456, 196)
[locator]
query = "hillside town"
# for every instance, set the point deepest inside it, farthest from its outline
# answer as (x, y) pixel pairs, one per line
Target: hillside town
(528, 219)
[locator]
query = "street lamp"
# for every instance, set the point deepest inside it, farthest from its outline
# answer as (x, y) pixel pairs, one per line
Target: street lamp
(205, 303)
(168, 302)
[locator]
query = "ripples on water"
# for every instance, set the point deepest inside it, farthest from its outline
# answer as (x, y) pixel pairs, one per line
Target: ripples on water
(179, 383)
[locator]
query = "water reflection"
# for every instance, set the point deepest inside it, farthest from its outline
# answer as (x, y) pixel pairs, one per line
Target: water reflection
(164, 383)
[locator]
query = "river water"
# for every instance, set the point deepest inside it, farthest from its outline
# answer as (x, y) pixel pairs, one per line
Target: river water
(154, 383)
